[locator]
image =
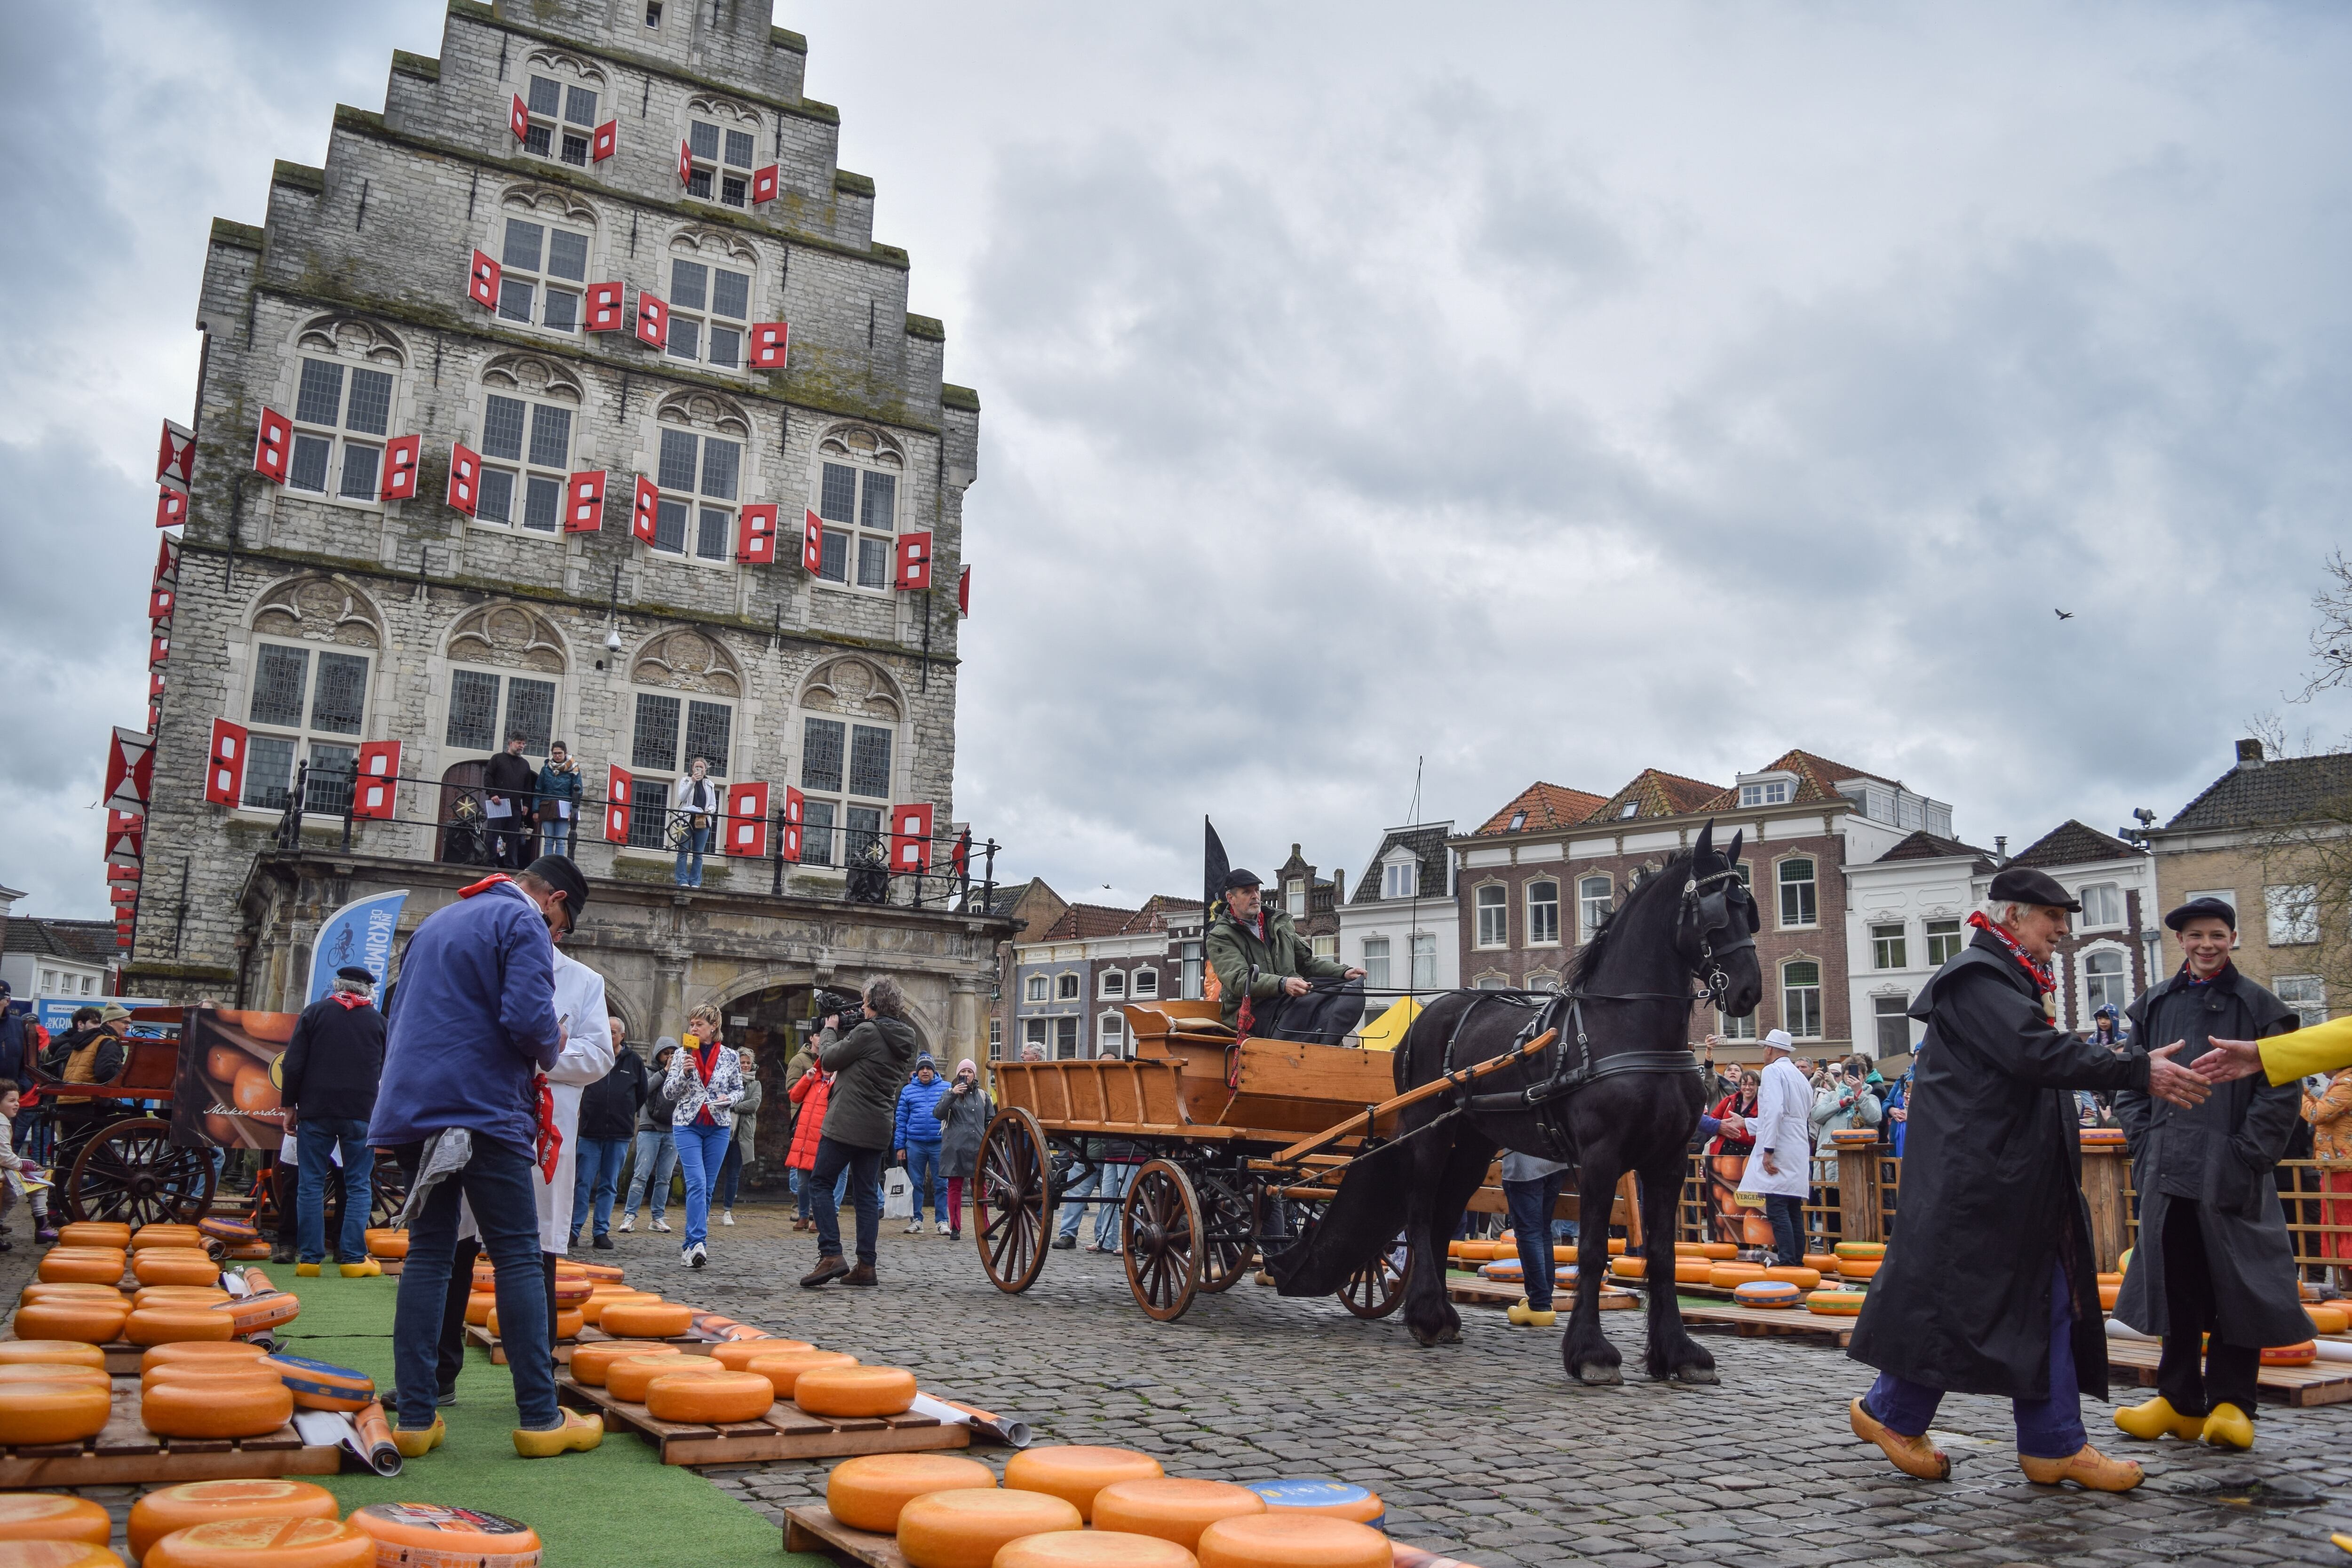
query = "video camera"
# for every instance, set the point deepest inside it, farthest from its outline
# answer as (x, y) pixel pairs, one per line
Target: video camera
(846, 1004)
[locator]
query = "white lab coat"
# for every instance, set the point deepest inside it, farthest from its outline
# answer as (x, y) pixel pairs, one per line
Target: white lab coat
(587, 1056)
(1783, 1124)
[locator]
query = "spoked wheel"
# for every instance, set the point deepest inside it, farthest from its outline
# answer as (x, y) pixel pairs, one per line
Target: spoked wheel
(387, 1192)
(132, 1172)
(1378, 1287)
(1012, 1200)
(1228, 1233)
(1162, 1237)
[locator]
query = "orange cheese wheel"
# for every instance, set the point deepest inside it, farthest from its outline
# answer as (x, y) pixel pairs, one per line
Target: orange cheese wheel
(430, 1533)
(2108, 1296)
(56, 1554)
(231, 1229)
(737, 1355)
(80, 1266)
(275, 1542)
(57, 1412)
(1731, 1276)
(92, 1321)
(1171, 1508)
(1092, 1549)
(258, 1283)
(784, 1369)
(1768, 1293)
(1076, 1472)
(191, 1503)
(1859, 1268)
(1693, 1270)
(853, 1391)
(569, 1323)
(2328, 1320)
(1860, 1249)
(1803, 1278)
(1286, 1538)
(709, 1399)
(571, 1290)
(1690, 1249)
(217, 1407)
(478, 1307)
(53, 1516)
(95, 1233)
(2110, 1279)
(390, 1244)
(52, 1289)
(590, 1362)
(646, 1320)
(178, 1296)
(1719, 1251)
(164, 1325)
(966, 1527)
(320, 1385)
(1834, 1303)
(44, 1353)
(1821, 1262)
(251, 1314)
(1477, 1252)
(54, 1372)
(2303, 1355)
(212, 1352)
(173, 1266)
(1629, 1267)
(1616, 1246)
(628, 1378)
(148, 1235)
(867, 1492)
(603, 1273)
(211, 1372)
(594, 1307)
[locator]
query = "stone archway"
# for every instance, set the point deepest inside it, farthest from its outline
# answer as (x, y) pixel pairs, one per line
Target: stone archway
(766, 1023)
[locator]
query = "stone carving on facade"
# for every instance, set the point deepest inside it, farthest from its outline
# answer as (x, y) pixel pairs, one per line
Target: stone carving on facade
(580, 66)
(863, 444)
(547, 202)
(688, 660)
(716, 106)
(318, 608)
(701, 238)
(531, 374)
(353, 337)
(853, 687)
(506, 633)
(709, 410)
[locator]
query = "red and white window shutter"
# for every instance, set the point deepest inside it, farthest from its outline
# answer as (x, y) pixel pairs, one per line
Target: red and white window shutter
(747, 820)
(167, 563)
(122, 873)
(914, 560)
(126, 836)
(770, 342)
(272, 446)
(910, 837)
(619, 788)
(604, 313)
(400, 458)
(376, 794)
(154, 685)
(159, 648)
(126, 894)
(652, 320)
(755, 535)
(175, 463)
(225, 771)
(685, 163)
(795, 812)
(812, 542)
(763, 185)
(159, 603)
(648, 507)
(464, 478)
(482, 281)
(518, 119)
(963, 592)
(171, 508)
(583, 506)
(607, 142)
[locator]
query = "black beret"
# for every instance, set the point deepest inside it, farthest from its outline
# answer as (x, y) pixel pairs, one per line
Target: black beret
(1237, 878)
(2200, 909)
(353, 972)
(564, 877)
(2025, 885)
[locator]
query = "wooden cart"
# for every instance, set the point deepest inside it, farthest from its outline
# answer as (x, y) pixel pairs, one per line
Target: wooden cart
(1213, 1132)
(113, 1155)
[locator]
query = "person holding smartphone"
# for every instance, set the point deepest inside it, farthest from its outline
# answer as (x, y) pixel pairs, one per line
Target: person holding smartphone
(963, 1113)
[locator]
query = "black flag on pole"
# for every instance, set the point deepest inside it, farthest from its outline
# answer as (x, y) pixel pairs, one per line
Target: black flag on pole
(1213, 867)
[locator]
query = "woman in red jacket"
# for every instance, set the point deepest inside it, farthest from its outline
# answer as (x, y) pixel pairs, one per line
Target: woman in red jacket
(809, 1095)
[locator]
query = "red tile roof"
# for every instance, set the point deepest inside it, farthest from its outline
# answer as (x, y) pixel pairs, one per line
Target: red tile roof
(1817, 780)
(1657, 793)
(1550, 808)
(1082, 921)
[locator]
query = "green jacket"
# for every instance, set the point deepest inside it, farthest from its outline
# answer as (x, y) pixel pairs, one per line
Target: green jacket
(874, 1059)
(1234, 951)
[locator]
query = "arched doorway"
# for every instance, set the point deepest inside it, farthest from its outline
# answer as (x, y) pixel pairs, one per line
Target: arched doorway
(774, 1025)
(461, 837)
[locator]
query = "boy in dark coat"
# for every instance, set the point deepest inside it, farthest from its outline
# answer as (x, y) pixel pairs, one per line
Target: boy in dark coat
(328, 1075)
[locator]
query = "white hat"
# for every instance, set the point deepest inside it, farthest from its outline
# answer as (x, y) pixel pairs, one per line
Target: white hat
(1779, 1040)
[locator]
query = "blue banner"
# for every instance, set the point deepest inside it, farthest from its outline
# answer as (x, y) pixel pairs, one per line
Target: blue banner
(360, 933)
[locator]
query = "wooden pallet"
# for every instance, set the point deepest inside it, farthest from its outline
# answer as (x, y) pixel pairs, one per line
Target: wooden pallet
(813, 1529)
(1758, 1321)
(1495, 1294)
(786, 1432)
(480, 1338)
(2321, 1382)
(126, 1453)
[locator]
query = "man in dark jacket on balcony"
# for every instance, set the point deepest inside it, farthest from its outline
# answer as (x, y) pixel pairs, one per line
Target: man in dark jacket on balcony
(329, 1074)
(1265, 973)
(608, 1121)
(871, 1062)
(509, 785)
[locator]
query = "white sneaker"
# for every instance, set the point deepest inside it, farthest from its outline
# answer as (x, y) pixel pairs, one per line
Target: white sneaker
(694, 1257)
(628, 1222)
(914, 1228)
(660, 1225)
(727, 1217)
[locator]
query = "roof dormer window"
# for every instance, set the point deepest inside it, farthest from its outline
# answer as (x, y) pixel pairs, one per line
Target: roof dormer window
(1767, 789)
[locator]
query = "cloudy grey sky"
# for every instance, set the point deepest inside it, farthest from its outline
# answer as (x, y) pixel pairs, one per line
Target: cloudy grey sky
(1548, 391)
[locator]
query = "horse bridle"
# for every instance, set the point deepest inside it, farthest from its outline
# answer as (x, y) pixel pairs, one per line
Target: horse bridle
(1710, 911)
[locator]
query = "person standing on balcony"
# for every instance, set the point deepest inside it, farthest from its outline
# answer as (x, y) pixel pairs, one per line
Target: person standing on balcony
(693, 812)
(508, 785)
(559, 801)
(330, 1072)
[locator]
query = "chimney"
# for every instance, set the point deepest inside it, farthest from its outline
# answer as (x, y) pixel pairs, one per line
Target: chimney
(1339, 886)
(2000, 849)
(2250, 753)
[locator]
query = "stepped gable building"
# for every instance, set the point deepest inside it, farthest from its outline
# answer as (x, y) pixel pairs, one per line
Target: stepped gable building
(571, 397)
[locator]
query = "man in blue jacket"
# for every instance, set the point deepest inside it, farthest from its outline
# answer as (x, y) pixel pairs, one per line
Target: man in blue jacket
(473, 1029)
(917, 1141)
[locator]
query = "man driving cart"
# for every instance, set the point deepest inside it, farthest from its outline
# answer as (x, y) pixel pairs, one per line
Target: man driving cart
(1268, 973)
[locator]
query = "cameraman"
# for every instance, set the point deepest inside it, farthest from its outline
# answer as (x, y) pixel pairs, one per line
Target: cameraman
(812, 1086)
(868, 1065)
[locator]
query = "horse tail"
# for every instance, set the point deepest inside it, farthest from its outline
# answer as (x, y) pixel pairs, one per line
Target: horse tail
(1358, 1224)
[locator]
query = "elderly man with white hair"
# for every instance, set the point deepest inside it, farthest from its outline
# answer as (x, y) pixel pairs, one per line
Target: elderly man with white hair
(1991, 1286)
(1779, 1167)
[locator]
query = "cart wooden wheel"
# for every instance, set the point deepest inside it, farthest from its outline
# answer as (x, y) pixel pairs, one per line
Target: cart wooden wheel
(130, 1172)
(1228, 1233)
(1161, 1238)
(1012, 1200)
(1378, 1287)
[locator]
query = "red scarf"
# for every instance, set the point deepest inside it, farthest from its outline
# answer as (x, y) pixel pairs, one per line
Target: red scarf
(549, 1145)
(485, 885)
(2043, 979)
(345, 1000)
(705, 1057)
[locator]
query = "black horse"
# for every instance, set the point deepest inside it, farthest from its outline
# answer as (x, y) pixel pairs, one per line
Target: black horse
(1618, 1092)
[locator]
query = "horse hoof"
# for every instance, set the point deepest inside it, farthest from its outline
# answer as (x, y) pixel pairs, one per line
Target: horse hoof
(1450, 1337)
(1592, 1375)
(1427, 1338)
(1703, 1375)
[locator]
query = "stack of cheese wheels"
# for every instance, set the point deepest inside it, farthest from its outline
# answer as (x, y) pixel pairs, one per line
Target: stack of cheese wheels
(163, 1325)
(251, 1542)
(1076, 1472)
(1092, 1549)
(1359, 1505)
(1693, 1270)
(173, 1266)
(423, 1533)
(572, 1291)
(107, 1294)
(58, 1555)
(2303, 1355)
(655, 1320)
(601, 1296)
(54, 1372)
(95, 1233)
(200, 1352)
(184, 1507)
(1834, 1303)
(1731, 1276)
(53, 1516)
(1171, 1508)
(1821, 1262)
(967, 1527)
(712, 1398)
(234, 1403)
(51, 1353)
(386, 1243)
(1768, 1293)
(1803, 1278)
(737, 1355)
(1629, 1267)
(1475, 1251)
(628, 1378)
(853, 1391)
(590, 1363)
(178, 1296)
(161, 1235)
(1859, 1259)
(53, 1402)
(320, 1385)
(867, 1492)
(568, 1321)
(1283, 1539)
(783, 1369)
(89, 1319)
(2327, 1320)
(80, 1266)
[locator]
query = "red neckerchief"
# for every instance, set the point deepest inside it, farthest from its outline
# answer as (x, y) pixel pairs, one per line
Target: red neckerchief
(346, 1000)
(2043, 979)
(2187, 978)
(705, 1057)
(549, 1142)
(485, 885)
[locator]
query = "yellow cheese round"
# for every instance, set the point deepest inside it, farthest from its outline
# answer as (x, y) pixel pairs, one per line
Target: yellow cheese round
(1286, 1538)
(1860, 1249)
(1859, 1268)
(2328, 1320)
(571, 1290)
(589, 1362)
(966, 1527)
(217, 1407)
(95, 1233)
(264, 1542)
(58, 1290)
(1693, 1270)
(54, 1412)
(1172, 1508)
(1076, 1472)
(384, 1241)
(191, 1503)
(784, 1370)
(1339, 1499)
(178, 1296)
(54, 1372)
(173, 1266)
(711, 1398)
(93, 1322)
(1768, 1293)
(56, 1554)
(1803, 1278)
(1092, 1549)
(53, 1516)
(478, 1307)
(164, 1325)
(212, 1352)
(867, 1492)
(44, 1353)
(320, 1385)
(594, 1307)
(853, 1391)
(79, 1266)
(2303, 1355)
(567, 1323)
(1690, 1249)
(628, 1378)
(1616, 1246)
(1629, 1267)
(212, 1372)
(1834, 1303)
(426, 1533)
(737, 1355)
(251, 1314)
(1821, 1262)
(161, 1235)
(234, 1229)
(646, 1320)
(603, 1273)
(2110, 1294)
(1731, 1276)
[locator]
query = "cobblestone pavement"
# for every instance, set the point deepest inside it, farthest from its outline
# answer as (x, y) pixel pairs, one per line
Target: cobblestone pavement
(1482, 1450)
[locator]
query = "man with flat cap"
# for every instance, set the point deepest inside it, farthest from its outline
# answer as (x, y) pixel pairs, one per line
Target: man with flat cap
(328, 1081)
(1991, 1286)
(2214, 1267)
(1265, 973)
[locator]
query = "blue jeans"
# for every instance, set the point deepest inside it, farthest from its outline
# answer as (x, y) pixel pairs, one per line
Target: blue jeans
(1106, 1180)
(555, 835)
(923, 1175)
(804, 1188)
(863, 1169)
(656, 1152)
(315, 1143)
(497, 1184)
(697, 840)
(701, 1148)
(1788, 1216)
(1530, 1205)
(597, 1175)
(2048, 1429)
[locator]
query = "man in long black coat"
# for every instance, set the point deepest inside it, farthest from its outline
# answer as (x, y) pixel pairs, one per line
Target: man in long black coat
(1991, 1286)
(328, 1079)
(2213, 1256)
